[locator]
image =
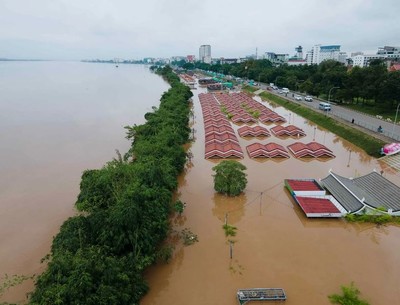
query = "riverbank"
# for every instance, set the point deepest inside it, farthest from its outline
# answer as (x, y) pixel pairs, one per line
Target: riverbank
(100, 255)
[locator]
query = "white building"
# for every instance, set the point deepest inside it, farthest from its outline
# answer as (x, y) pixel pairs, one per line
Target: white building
(385, 53)
(389, 52)
(205, 53)
(362, 60)
(320, 53)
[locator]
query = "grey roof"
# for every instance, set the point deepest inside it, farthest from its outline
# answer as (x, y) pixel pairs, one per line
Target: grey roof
(382, 192)
(342, 195)
(373, 189)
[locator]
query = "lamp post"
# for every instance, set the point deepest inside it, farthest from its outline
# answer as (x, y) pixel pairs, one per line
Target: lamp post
(329, 95)
(315, 128)
(395, 119)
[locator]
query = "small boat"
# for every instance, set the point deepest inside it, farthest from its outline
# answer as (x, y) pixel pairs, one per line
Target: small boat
(391, 149)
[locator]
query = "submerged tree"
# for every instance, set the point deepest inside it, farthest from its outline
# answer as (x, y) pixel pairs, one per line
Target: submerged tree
(350, 296)
(229, 178)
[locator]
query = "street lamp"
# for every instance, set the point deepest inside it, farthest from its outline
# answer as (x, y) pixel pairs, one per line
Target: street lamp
(329, 95)
(315, 128)
(395, 119)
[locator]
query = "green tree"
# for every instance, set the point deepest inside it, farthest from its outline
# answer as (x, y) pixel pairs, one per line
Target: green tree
(229, 178)
(349, 296)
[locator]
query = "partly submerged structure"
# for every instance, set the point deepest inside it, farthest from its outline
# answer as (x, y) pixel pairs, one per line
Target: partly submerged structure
(270, 150)
(312, 149)
(365, 194)
(260, 294)
(337, 196)
(313, 200)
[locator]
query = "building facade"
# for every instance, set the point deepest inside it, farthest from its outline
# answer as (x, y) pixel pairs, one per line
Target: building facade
(205, 54)
(362, 60)
(276, 59)
(320, 53)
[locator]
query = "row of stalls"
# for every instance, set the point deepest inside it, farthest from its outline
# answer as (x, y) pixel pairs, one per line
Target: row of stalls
(336, 196)
(221, 140)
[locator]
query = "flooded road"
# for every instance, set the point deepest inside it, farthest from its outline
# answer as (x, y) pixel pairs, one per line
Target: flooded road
(275, 245)
(56, 120)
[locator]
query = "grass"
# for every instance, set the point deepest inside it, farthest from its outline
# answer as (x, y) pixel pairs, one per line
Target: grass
(250, 88)
(369, 144)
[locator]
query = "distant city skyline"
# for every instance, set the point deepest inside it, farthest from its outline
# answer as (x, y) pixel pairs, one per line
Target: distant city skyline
(74, 30)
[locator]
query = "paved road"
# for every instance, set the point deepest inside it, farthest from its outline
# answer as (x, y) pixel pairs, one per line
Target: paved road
(362, 121)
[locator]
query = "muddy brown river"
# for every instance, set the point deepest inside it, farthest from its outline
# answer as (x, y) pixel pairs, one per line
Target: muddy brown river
(50, 134)
(275, 245)
(56, 120)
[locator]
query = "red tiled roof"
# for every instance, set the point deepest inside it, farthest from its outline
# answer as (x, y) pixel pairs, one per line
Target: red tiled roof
(270, 150)
(312, 149)
(316, 205)
(289, 130)
(303, 185)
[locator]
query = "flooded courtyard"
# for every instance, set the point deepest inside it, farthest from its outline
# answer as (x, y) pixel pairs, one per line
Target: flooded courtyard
(276, 245)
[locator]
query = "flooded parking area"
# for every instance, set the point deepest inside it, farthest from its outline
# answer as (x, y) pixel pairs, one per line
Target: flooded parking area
(276, 245)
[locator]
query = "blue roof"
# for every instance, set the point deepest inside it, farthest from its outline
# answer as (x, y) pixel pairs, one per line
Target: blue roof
(330, 48)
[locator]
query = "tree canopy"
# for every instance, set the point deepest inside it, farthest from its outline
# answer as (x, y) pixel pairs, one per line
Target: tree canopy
(372, 84)
(229, 178)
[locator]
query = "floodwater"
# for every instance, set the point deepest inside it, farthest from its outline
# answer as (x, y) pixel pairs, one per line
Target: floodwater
(56, 120)
(275, 245)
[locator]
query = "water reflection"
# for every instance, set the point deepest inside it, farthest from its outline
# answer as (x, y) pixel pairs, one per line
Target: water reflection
(228, 208)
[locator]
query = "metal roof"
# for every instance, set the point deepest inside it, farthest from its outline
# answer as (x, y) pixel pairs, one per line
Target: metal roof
(382, 192)
(372, 189)
(342, 194)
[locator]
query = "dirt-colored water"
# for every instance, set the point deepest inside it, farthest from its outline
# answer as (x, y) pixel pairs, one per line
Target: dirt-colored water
(56, 120)
(276, 245)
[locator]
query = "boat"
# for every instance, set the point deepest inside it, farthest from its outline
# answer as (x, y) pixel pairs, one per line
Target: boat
(391, 149)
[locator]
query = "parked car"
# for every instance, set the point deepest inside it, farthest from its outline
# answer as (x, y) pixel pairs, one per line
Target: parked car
(298, 97)
(308, 98)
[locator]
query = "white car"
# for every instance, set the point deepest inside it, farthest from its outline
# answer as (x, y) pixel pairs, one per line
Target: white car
(298, 98)
(308, 98)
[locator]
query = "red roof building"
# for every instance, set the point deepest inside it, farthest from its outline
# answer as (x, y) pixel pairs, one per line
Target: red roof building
(270, 150)
(312, 149)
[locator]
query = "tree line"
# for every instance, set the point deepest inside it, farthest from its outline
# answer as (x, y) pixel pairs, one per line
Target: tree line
(370, 85)
(99, 256)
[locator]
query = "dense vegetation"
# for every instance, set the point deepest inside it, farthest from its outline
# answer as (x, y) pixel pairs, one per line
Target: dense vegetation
(229, 178)
(371, 85)
(99, 256)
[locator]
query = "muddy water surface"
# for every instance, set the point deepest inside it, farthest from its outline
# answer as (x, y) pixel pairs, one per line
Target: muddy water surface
(56, 120)
(276, 245)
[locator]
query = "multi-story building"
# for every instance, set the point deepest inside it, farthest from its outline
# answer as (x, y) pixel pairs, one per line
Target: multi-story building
(389, 52)
(205, 53)
(276, 59)
(362, 60)
(386, 53)
(297, 59)
(320, 53)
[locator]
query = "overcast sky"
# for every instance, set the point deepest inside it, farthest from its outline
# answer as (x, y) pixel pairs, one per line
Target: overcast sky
(133, 29)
